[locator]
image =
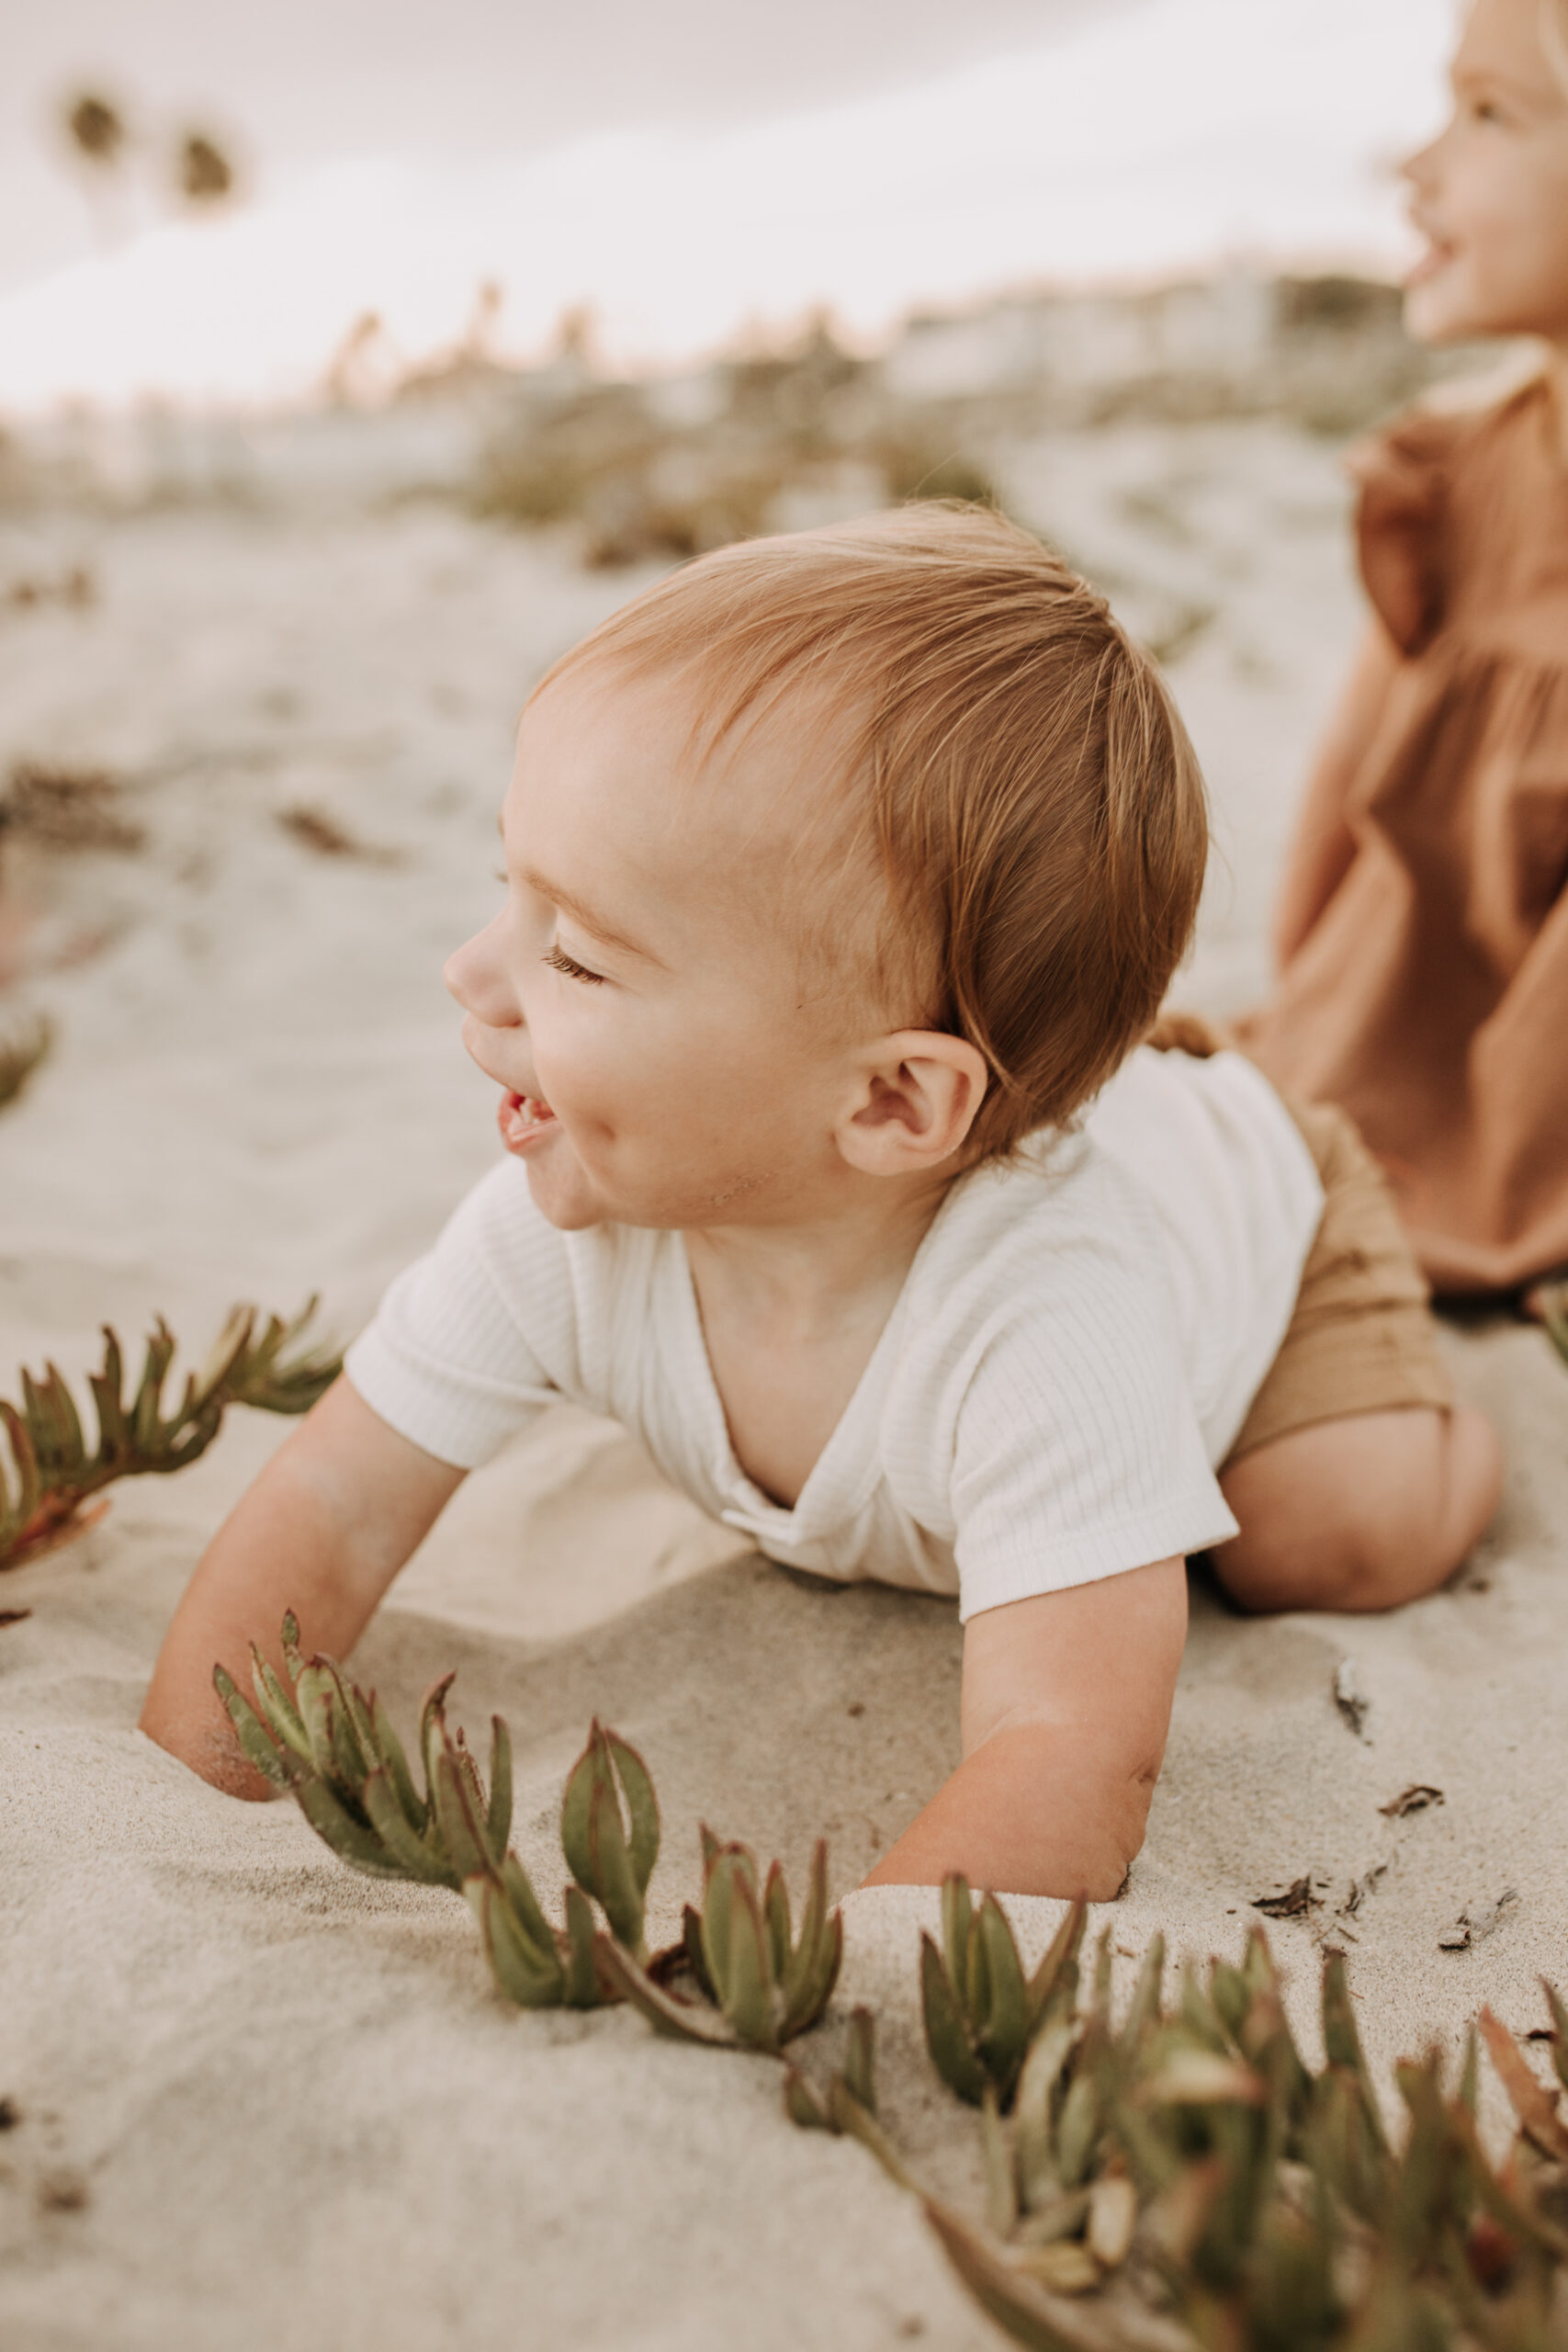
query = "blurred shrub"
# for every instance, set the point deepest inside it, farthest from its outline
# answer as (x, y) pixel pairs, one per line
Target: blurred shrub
(787, 441)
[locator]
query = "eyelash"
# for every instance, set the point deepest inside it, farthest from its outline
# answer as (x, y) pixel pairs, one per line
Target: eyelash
(559, 961)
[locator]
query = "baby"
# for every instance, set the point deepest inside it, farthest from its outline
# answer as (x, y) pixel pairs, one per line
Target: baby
(845, 873)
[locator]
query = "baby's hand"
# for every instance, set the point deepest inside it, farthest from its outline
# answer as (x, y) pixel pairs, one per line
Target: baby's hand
(323, 1531)
(1067, 1704)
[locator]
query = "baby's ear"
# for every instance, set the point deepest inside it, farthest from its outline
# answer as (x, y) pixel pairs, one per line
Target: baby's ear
(917, 1097)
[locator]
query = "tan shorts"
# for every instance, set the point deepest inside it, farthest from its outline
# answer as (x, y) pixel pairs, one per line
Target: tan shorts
(1361, 1338)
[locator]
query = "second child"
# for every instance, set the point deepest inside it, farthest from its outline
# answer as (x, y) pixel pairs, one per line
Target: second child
(1423, 927)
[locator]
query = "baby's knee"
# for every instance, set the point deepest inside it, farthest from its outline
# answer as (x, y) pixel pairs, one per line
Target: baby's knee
(1413, 1526)
(1361, 1514)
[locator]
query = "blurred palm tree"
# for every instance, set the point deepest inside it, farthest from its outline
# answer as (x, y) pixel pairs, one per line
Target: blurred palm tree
(95, 128)
(206, 174)
(200, 173)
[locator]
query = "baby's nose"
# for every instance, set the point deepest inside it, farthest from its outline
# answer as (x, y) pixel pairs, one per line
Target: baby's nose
(474, 974)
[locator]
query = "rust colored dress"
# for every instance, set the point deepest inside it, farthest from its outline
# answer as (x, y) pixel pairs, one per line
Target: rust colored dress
(1430, 996)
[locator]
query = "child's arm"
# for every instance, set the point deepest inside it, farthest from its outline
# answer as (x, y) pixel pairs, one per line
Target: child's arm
(1323, 845)
(323, 1531)
(1067, 1702)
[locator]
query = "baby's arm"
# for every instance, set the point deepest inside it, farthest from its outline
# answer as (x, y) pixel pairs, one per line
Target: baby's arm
(1322, 845)
(323, 1531)
(1066, 1704)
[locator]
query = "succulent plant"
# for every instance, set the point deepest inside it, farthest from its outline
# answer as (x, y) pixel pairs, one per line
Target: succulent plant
(330, 1745)
(848, 2105)
(1187, 2170)
(610, 1854)
(759, 1984)
(981, 2012)
(54, 1475)
(816, 2111)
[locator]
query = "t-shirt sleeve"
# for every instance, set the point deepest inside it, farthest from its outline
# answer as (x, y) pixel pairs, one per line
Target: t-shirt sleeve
(451, 1358)
(1076, 1450)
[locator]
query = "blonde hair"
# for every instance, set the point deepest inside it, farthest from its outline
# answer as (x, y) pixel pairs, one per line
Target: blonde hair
(1013, 762)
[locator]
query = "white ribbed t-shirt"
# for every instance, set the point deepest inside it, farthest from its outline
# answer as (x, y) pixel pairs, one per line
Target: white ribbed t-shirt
(1074, 1349)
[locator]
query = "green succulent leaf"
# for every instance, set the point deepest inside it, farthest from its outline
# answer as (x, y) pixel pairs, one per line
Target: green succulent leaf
(1054, 1982)
(1144, 2008)
(403, 1845)
(692, 1944)
(460, 1822)
(528, 1973)
(642, 1808)
(255, 1744)
(685, 2020)
(1048, 2054)
(1078, 2130)
(610, 1855)
(956, 1922)
(1022, 2309)
(524, 1904)
(1002, 2179)
(746, 1984)
(613, 1880)
(947, 2035)
(802, 2104)
(811, 1969)
(591, 1769)
(719, 1896)
(498, 1814)
(859, 2059)
(350, 1840)
(385, 1743)
(583, 1986)
(1342, 2040)
(775, 1912)
(1002, 2033)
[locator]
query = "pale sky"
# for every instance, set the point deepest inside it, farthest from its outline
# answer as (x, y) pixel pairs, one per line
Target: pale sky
(685, 169)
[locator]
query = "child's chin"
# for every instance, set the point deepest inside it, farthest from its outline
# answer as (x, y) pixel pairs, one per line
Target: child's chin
(1436, 313)
(563, 1195)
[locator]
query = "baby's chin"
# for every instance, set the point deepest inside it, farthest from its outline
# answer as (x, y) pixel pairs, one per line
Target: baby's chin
(562, 1190)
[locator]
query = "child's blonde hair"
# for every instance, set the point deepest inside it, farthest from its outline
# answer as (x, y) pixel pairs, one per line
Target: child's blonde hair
(1034, 802)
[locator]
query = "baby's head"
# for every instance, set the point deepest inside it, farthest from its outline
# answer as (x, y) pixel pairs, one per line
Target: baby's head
(1489, 195)
(836, 863)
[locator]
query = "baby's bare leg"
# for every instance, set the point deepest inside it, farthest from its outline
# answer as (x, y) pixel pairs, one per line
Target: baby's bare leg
(1364, 1512)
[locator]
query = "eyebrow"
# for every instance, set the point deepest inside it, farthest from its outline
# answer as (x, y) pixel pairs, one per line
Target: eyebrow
(1492, 77)
(581, 913)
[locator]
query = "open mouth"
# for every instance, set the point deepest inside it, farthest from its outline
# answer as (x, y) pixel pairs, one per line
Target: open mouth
(523, 1119)
(1438, 254)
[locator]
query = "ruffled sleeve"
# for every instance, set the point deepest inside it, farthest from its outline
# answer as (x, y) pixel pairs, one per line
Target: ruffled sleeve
(1404, 475)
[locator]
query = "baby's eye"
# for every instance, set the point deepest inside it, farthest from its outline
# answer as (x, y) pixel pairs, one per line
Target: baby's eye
(559, 961)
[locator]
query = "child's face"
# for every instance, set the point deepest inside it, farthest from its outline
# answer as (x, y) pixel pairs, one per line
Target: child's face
(638, 997)
(1491, 194)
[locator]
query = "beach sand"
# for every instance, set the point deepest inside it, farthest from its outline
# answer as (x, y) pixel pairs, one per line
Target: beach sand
(260, 2100)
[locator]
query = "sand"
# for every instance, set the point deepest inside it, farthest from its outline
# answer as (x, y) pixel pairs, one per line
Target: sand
(261, 2100)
